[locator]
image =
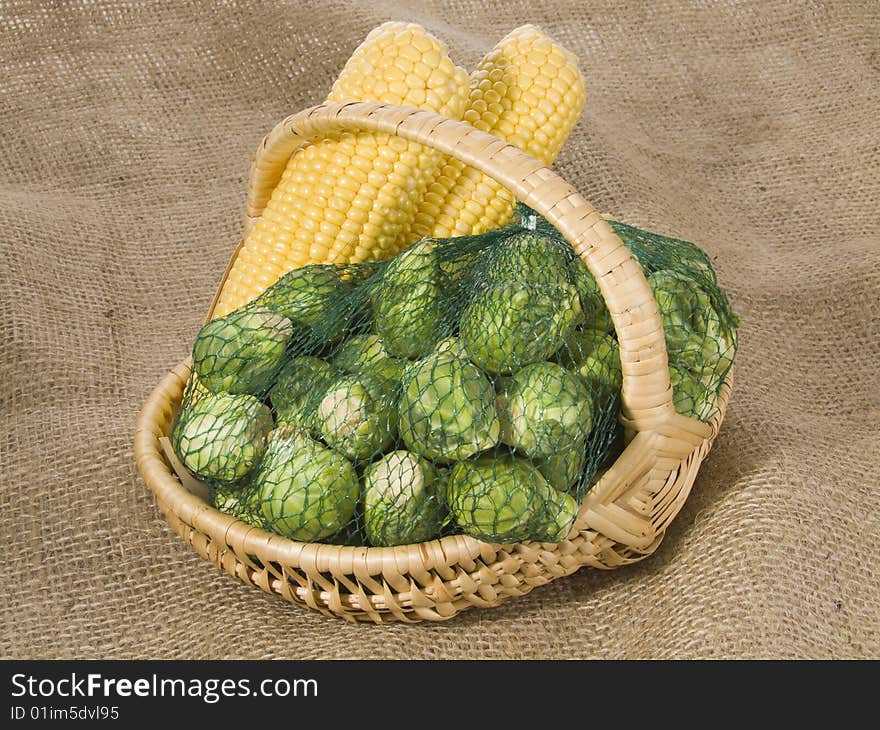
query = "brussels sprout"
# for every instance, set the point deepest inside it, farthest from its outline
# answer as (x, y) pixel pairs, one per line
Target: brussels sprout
(564, 468)
(241, 352)
(391, 369)
(580, 344)
(553, 520)
(366, 354)
(496, 497)
(402, 503)
(596, 314)
(306, 491)
(312, 297)
(241, 503)
(698, 353)
(406, 310)
(223, 436)
(595, 356)
(503, 498)
(301, 384)
(696, 337)
(678, 301)
(602, 372)
(543, 409)
(527, 257)
(357, 350)
(456, 264)
(453, 346)
(504, 329)
(357, 415)
(690, 396)
(447, 408)
(709, 350)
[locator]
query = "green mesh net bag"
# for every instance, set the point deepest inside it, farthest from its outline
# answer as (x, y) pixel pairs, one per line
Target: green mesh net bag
(467, 385)
(700, 326)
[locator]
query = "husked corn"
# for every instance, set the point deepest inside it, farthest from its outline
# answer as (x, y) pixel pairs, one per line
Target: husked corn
(527, 90)
(349, 198)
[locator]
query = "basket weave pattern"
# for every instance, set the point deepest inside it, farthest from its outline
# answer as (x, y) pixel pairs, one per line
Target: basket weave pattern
(623, 517)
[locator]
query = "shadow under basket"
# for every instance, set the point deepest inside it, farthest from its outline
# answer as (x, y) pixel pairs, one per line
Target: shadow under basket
(623, 517)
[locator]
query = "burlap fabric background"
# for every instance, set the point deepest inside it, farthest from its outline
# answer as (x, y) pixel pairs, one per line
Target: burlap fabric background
(127, 132)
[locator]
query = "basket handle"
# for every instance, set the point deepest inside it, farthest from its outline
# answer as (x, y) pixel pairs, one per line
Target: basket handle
(646, 393)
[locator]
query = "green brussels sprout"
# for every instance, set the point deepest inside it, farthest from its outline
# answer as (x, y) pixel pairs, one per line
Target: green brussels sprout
(602, 372)
(698, 353)
(504, 329)
(311, 297)
(402, 504)
(544, 408)
(301, 384)
(241, 352)
(580, 344)
(351, 355)
(595, 356)
(696, 337)
(690, 395)
(527, 257)
(222, 437)
(453, 346)
(455, 264)
(367, 354)
(357, 415)
(596, 314)
(708, 350)
(564, 468)
(405, 302)
(447, 408)
(553, 521)
(496, 497)
(240, 503)
(503, 498)
(679, 301)
(306, 491)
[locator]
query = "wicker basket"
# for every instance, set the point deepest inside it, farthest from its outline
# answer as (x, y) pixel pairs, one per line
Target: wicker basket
(623, 517)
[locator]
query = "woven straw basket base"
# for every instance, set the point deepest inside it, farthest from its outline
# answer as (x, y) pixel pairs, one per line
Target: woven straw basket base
(623, 517)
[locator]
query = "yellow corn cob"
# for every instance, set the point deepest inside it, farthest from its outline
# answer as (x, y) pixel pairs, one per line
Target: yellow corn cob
(528, 91)
(349, 198)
